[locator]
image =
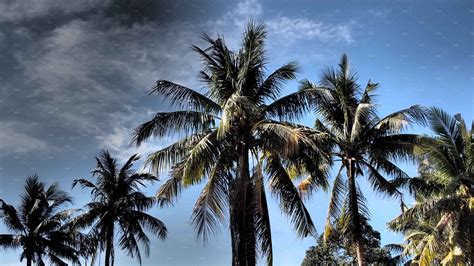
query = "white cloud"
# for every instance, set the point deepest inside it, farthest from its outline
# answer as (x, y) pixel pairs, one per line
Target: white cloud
(85, 71)
(14, 139)
(289, 29)
(308, 29)
(248, 8)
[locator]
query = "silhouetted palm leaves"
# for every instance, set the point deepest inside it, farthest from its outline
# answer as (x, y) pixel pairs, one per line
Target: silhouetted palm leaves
(40, 226)
(440, 226)
(118, 208)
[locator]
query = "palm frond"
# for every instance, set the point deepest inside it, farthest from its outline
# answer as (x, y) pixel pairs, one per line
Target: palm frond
(397, 121)
(283, 188)
(166, 123)
(335, 204)
(183, 97)
(271, 87)
(10, 241)
(293, 106)
(209, 210)
(282, 138)
(262, 219)
(10, 217)
(171, 155)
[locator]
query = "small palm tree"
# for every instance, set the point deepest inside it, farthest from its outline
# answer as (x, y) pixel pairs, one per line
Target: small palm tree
(40, 226)
(440, 226)
(238, 122)
(366, 145)
(117, 201)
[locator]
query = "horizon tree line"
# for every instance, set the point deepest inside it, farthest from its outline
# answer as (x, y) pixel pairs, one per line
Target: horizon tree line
(241, 136)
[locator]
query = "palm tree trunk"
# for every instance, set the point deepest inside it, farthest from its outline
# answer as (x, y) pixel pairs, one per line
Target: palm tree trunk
(28, 261)
(108, 245)
(353, 201)
(241, 215)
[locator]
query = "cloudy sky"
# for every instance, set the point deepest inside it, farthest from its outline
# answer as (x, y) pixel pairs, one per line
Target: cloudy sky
(74, 76)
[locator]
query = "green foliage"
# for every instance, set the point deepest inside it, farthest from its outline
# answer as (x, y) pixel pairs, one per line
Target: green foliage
(439, 227)
(240, 119)
(337, 249)
(349, 130)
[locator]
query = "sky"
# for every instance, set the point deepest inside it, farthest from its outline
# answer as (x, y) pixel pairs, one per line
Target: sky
(74, 76)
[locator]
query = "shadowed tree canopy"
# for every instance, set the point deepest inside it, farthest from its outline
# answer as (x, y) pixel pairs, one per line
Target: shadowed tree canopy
(237, 136)
(118, 209)
(338, 250)
(40, 226)
(439, 227)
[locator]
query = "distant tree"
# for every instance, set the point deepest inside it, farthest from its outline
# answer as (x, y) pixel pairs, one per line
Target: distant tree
(338, 250)
(119, 204)
(40, 225)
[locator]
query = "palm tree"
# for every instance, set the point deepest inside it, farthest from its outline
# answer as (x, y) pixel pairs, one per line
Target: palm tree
(40, 226)
(236, 123)
(365, 144)
(117, 201)
(440, 225)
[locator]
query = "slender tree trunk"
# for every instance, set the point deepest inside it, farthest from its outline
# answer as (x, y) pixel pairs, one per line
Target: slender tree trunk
(28, 261)
(108, 245)
(241, 215)
(357, 233)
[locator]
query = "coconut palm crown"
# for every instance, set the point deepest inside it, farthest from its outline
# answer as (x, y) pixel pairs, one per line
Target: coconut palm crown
(235, 135)
(118, 208)
(439, 227)
(365, 145)
(40, 225)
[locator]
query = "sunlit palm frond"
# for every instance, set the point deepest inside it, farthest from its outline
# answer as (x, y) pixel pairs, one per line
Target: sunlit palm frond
(172, 187)
(169, 156)
(282, 138)
(201, 159)
(209, 210)
(395, 122)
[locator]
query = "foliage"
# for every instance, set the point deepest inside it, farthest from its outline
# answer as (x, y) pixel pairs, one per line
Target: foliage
(338, 250)
(365, 144)
(118, 203)
(40, 225)
(439, 227)
(238, 121)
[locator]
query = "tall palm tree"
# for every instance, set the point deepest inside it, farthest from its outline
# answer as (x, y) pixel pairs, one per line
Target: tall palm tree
(444, 193)
(236, 124)
(365, 144)
(118, 202)
(40, 226)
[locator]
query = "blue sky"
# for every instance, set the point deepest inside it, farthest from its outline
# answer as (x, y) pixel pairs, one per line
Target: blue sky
(74, 76)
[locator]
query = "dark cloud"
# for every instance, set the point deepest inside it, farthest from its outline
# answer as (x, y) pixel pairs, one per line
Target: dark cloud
(76, 72)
